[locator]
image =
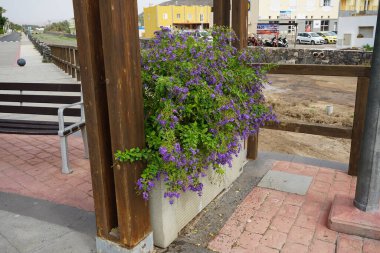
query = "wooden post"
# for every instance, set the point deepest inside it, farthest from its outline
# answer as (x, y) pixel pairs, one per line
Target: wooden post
(121, 48)
(78, 64)
(222, 12)
(252, 149)
(95, 100)
(240, 22)
(240, 26)
(358, 126)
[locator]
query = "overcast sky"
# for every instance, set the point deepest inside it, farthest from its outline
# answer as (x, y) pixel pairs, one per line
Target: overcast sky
(40, 12)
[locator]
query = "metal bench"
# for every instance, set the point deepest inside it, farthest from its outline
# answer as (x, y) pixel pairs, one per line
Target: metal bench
(18, 101)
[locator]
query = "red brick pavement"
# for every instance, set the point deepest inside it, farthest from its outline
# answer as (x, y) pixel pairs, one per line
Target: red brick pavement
(274, 221)
(31, 166)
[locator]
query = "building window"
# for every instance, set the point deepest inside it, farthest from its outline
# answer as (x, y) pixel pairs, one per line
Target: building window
(291, 28)
(326, 2)
(270, 17)
(201, 17)
(165, 16)
(178, 15)
(366, 31)
(308, 26)
(324, 25)
(189, 16)
(148, 16)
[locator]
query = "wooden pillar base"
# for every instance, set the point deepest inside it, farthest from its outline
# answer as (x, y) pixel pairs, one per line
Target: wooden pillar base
(106, 246)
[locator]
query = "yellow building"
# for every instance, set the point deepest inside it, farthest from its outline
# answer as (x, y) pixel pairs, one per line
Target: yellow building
(176, 17)
(358, 7)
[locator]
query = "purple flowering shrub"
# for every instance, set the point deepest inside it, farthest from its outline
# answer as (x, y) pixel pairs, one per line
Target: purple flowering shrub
(200, 100)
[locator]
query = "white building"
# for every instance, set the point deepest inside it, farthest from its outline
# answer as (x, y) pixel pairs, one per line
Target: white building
(316, 15)
(357, 23)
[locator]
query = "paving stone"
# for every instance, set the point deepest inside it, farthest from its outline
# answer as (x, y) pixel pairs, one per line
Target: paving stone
(222, 243)
(300, 235)
(282, 223)
(318, 246)
(306, 221)
(249, 240)
(258, 225)
(286, 182)
(289, 211)
(295, 248)
(349, 244)
(371, 246)
(273, 239)
(325, 234)
(265, 249)
(294, 199)
(34, 170)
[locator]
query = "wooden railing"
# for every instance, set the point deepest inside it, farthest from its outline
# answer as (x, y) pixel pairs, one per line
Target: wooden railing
(355, 133)
(67, 59)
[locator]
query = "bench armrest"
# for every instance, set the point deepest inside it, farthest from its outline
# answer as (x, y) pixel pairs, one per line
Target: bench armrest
(61, 118)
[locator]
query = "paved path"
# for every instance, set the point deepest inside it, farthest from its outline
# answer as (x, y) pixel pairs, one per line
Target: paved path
(31, 166)
(34, 71)
(275, 221)
(12, 37)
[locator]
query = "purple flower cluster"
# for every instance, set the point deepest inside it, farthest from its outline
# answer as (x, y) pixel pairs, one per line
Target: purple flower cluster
(201, 100)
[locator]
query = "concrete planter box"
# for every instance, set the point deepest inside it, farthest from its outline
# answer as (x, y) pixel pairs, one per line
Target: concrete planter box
(168, 220)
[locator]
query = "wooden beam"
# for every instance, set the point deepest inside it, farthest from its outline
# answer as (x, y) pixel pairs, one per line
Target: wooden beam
(321, 70)
(87, 21)
(222, 12)
(97, 123)
(358, 127)
(240, 22)
(309, 128)
(121, 47)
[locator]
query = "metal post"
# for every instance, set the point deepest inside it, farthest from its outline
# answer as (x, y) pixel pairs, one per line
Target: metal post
(367, 195)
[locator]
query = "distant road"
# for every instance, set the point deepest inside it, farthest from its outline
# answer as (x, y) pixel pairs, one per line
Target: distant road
(12, 37)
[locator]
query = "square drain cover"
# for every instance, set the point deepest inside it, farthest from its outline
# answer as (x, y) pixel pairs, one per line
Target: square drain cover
(286, 182)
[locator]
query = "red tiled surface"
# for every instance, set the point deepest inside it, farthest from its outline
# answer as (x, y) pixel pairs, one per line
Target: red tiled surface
(274, 221)
(30, 165)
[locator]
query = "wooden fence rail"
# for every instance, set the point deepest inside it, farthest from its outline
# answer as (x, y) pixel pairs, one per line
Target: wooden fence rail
(66, 58)
(355, 133)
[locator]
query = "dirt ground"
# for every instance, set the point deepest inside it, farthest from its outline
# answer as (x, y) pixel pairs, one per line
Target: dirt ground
(304, 98)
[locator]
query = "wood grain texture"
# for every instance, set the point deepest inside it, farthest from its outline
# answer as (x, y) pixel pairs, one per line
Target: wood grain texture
(121, 47)
(222, 13)
(253, 147)
(359, 122)
(321, 70)
(240, 22)
(309, 128)
(87, 17)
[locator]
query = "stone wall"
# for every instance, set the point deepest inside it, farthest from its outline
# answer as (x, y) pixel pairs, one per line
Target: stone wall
(318, 56)
(309, 56)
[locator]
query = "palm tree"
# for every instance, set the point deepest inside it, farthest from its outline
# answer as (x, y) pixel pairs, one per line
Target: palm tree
(2, 10)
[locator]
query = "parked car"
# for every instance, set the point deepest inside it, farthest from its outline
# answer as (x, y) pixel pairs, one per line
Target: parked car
(330, 37)
(202, 34)
(310, 38)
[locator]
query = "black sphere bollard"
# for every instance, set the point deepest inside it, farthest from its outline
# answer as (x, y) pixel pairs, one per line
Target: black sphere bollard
(21, 62)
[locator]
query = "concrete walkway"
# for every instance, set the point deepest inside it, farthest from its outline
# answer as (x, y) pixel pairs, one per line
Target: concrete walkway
(35, 71)
(31, 225)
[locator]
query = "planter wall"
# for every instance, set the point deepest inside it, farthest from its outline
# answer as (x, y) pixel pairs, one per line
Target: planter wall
(168, 220)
